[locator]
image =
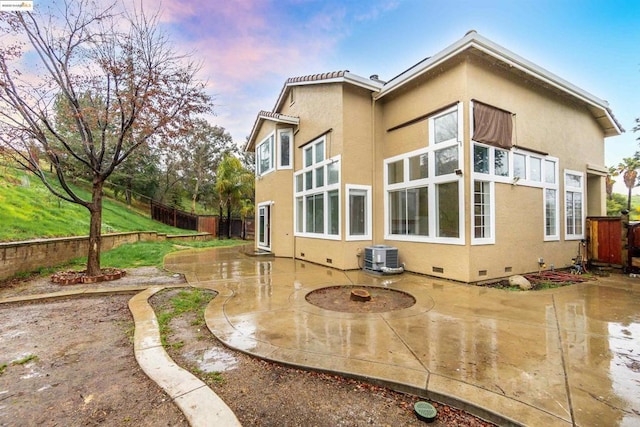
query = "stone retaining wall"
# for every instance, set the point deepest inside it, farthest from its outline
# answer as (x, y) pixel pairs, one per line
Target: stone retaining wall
(17, 257)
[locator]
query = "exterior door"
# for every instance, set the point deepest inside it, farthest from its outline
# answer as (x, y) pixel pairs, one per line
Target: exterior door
(264, 226)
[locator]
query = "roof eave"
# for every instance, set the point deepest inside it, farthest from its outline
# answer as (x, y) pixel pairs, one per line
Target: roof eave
(266, 116)
(474, 40)
(347, 77)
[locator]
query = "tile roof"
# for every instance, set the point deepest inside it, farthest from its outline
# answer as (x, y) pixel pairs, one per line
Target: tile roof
(317, 77)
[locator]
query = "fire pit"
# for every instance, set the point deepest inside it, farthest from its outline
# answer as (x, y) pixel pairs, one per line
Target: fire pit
(360, 299)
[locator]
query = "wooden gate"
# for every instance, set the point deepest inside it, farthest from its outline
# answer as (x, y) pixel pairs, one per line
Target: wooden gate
(604, 240)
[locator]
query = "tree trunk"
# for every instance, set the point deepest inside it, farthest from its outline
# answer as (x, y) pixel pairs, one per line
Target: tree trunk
(95, 232)
(629, 201)
(229, 219)
(194, 197)
(220, 222)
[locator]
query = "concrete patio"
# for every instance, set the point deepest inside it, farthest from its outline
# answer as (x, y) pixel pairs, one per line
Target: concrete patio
(569, 356)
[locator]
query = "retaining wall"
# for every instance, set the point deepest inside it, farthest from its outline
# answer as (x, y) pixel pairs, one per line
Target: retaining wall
(29, 255)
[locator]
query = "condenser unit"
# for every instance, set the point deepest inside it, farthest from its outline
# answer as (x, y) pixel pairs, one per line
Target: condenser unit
(382, 259)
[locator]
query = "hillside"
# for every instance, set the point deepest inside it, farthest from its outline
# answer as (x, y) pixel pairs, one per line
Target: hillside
(28, 211)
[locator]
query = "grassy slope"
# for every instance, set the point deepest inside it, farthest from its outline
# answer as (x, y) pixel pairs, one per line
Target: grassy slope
(28, 211)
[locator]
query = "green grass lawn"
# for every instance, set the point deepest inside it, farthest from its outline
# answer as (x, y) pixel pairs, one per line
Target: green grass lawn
(29, 211)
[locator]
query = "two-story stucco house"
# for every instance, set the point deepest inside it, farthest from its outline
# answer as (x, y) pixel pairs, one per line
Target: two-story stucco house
(475, 163)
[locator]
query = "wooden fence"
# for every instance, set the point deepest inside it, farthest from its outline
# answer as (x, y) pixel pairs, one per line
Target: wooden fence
(202, 223)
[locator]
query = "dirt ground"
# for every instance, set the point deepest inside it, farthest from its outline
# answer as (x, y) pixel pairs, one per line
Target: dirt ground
(70, 363)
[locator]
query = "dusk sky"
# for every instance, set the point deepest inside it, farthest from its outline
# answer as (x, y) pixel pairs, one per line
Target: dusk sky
(248, 48)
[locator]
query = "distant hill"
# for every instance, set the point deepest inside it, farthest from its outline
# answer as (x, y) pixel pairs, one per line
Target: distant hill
(29, 211)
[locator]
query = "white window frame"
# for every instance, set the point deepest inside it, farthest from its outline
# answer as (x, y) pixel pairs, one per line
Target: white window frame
(573, 189)
(368, 214)
(279, 150)
(270, 139)
(551, 186)
(430, 183)
(260, 244)
(325, 188)
(491, 237)
(527, 179)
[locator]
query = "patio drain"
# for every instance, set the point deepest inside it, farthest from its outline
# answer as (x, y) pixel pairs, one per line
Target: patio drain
(375, 300)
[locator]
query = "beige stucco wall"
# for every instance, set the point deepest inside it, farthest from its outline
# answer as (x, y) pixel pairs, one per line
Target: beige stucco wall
(550, 123)
(427, 94)
(544, 121)
(276, 188)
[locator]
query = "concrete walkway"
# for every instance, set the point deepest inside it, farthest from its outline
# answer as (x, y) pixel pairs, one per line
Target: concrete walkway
(562, 357)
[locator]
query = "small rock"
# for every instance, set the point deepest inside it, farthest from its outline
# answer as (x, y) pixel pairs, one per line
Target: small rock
(520, 281)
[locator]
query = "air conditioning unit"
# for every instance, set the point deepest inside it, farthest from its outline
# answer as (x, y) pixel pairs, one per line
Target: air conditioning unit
(382, 259)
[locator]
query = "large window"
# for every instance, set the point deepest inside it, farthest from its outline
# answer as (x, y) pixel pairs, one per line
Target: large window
(317, 188)
(358, 217)
(424, 189)
(265, 155)
(574, 207)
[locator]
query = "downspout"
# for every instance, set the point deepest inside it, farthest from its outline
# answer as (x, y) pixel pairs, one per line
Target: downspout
(293, 190)
(373, 167)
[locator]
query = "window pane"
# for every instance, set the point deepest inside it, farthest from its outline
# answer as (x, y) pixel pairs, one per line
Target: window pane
(357, 212)
(308, 156)
(333, 170)
(481, 209)
(448, 209)
(318, 213)
(285, 149)
(446, 127)
(550, 212)
(319, 151)
(577, 207)
(573, 180)
(334, 212)
(550, 171)
(310, 223)
(446, 160)
(397, 212)
(418, 167)
(265, 156)
(308, 180)
(320, 176)
(262, 219)
(536, 169)
(519, 166)
(480, 159)
(395, 172)
(417, 212)
(501, 162)
(299, 214)
(573, 205)
(299, 181)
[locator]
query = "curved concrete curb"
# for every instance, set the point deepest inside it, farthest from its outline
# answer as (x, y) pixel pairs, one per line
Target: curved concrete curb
(200, 405)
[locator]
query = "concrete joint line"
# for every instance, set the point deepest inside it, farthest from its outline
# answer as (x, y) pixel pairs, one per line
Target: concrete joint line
(564, 362)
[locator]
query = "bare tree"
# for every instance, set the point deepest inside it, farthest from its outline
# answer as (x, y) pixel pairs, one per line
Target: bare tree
(121, 82)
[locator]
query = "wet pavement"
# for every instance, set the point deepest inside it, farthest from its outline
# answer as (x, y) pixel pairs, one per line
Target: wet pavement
(569, 356)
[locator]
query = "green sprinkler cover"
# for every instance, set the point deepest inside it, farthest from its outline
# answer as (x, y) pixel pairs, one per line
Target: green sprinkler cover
(425, 411)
